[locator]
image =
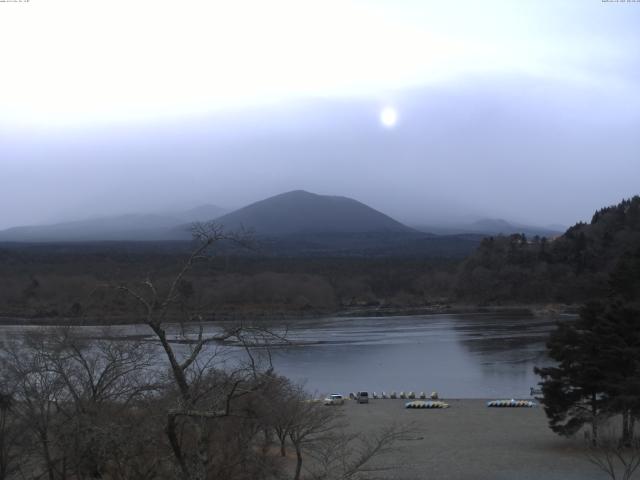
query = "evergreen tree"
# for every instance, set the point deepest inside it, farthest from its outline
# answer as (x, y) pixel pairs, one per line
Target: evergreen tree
(617, 327)
(625, 279)
(598, 360)
(574, 390)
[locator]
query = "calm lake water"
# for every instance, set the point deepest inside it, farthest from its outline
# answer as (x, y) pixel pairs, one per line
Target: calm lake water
(459, 356)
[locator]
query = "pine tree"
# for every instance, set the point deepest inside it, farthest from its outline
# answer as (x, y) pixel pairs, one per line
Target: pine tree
(598, 360)
(574, 391)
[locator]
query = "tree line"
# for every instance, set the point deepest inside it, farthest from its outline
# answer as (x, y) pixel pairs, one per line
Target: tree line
(595, 381)
(572, 268)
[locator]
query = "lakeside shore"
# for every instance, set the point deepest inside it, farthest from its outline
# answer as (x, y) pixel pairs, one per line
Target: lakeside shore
(470, 441)
(539, 310)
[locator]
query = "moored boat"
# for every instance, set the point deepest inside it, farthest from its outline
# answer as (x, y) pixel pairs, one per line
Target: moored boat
(511, 403)
(426, 404)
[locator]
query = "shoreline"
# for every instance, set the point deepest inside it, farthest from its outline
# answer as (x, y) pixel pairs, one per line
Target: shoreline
(535, 310)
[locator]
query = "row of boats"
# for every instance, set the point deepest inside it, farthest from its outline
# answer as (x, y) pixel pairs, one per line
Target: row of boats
(428, 404)
(401, 395)
(493, 403)
(511, 403)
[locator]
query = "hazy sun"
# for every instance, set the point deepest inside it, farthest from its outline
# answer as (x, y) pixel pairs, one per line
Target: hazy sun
(388, 117)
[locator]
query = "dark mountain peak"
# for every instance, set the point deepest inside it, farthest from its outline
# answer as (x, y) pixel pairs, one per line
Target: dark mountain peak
(304, 195)
(299, 211)
(296, 193)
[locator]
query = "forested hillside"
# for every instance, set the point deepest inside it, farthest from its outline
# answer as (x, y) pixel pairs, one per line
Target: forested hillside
(571, 268)
(64, 281)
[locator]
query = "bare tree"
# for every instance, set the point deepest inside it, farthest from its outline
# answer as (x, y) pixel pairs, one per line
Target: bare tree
(195, 375)
(617, 459)
(350, 456)
(103, 378)
(10, 436)
(311, 422)
(99, 408)
(36, 392)
(281, 402)
(69, 395)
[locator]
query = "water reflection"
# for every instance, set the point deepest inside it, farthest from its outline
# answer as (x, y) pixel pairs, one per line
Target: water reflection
(464, 356)
(460, 356)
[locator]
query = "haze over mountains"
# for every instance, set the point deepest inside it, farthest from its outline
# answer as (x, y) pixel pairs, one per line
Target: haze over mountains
(297, 214)
(129, 227)
(200, 213)
(491, 226)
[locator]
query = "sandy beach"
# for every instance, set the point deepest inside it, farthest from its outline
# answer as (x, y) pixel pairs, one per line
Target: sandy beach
(470, 441)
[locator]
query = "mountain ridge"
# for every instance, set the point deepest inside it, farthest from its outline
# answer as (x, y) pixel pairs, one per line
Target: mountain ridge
(302, 212)
(491, 226)
(295, 214)
(125, 227)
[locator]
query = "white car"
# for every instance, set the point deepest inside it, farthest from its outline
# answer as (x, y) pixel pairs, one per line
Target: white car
(334, 399)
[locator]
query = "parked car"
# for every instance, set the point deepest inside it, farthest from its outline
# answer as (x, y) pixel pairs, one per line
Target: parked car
(334, 399)
(362, 397)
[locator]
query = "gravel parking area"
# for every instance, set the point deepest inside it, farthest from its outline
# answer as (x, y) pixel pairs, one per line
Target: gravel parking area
(470, 441)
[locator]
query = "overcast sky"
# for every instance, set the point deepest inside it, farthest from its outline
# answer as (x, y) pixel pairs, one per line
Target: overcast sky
(527, 110)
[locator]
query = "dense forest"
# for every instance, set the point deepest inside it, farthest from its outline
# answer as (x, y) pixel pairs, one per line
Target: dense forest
(571, 268)
(71, 281)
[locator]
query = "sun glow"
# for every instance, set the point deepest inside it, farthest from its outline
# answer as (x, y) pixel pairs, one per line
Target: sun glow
(210, 61)
(74, 62)
(388, 117)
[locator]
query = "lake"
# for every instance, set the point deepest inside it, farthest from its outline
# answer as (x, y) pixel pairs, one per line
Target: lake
(482, 355)
(459, 356)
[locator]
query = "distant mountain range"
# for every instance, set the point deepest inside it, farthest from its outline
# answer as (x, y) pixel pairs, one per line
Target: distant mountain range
(130, 227)
(296, 222)
(201, 213)
(492, 226)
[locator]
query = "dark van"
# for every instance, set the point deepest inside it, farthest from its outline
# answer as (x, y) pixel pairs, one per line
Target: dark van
(362, 397)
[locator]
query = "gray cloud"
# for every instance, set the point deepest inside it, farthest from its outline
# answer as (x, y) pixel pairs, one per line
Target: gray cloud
(528, 149)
